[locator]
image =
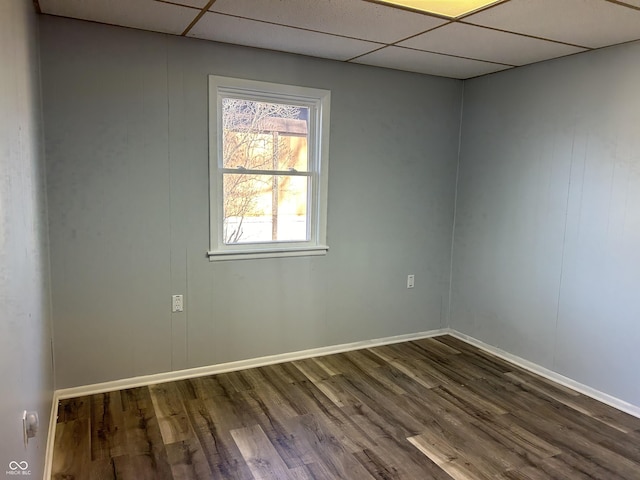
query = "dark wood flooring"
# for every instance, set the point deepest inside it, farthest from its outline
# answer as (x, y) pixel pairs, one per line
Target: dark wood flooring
(428, 409)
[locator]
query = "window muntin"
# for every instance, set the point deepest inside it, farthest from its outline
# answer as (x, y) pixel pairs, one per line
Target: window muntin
(268, 163)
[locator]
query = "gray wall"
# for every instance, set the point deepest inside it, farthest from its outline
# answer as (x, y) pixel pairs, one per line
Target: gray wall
(547, 235)
(126, 138)
(26, 373)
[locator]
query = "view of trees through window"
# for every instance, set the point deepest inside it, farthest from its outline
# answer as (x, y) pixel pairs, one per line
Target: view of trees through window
(265, 171)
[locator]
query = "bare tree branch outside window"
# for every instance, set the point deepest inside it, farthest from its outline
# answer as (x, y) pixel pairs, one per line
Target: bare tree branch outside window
(260, 138)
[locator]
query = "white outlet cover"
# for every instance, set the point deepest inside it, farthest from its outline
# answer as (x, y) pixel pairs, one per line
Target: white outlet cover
(177, 303)
(30, 425)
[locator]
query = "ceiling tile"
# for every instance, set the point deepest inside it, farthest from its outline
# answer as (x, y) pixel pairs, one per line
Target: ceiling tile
(428, 63)
(351, 18)
(142, 14)
(223, 28)
(589, 23)
(490, 45)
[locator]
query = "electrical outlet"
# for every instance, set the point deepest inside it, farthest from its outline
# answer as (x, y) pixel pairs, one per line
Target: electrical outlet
(177, 303)
(411, 280)
(30, 425)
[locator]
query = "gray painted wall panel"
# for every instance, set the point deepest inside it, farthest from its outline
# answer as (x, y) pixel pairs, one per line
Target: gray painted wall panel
(26, 370)
(108, 188)
(126, 117)
(547, 231)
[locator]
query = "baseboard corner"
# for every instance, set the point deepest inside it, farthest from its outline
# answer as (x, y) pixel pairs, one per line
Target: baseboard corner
(598, 395)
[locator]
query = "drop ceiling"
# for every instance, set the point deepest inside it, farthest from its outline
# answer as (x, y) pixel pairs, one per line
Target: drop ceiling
(501, 36)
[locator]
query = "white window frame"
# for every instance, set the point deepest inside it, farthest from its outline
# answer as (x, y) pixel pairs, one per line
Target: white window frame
(318, 101)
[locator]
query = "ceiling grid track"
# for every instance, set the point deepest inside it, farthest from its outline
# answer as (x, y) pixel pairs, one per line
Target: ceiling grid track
(498, 36)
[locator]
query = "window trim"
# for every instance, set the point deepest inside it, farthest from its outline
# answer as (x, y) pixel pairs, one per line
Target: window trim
(319, 102)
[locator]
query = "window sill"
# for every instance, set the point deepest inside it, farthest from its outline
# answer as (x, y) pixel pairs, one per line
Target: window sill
(217, 256)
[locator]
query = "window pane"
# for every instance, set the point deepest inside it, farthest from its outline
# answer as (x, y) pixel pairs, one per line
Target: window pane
(264, 136)
(265, 208)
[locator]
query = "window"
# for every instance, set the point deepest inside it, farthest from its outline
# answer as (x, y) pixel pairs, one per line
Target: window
(268, 159)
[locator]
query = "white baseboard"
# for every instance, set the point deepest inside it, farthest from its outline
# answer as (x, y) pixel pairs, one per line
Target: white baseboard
(212, 370)
(315, 352)
(238, 365)
(550, 374)
(48, 455)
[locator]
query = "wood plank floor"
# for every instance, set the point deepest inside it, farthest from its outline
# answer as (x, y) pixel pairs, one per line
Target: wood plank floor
(428, 409)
